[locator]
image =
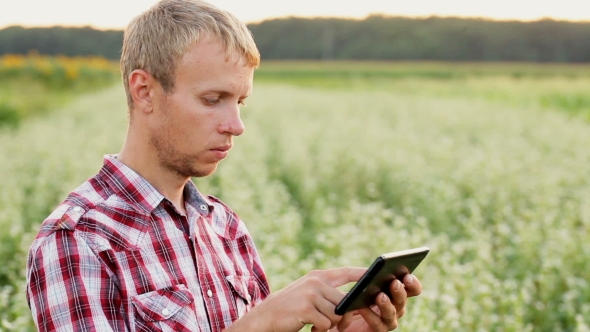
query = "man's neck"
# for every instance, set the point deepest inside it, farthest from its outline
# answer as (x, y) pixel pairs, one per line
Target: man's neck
(145, 163)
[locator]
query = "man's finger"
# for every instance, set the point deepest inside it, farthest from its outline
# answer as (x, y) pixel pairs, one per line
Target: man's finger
(332, 294)
(399, 296)
(387, 311)
(385, 320)
(413, 285)
(401, 313)
(340, 276)
(326, 308)
(346, 320)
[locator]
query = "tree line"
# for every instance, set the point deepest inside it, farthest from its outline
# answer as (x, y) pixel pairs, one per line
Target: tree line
(61, 40)
(376, 37)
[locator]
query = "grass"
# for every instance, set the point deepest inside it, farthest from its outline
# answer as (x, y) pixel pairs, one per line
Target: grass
(561, 87)
(314, 73)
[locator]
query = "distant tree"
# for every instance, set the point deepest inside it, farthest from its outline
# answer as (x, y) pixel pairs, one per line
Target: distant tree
(433, 38)
(60, 40)
(376, 37)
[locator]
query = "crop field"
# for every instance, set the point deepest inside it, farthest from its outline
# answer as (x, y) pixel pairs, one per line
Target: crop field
(34, 84)
(488, 168)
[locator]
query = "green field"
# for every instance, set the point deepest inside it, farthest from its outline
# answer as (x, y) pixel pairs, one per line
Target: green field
(489, 169)
(32, 85)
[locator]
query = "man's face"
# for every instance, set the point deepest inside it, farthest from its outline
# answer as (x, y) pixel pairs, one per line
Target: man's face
(194, 125)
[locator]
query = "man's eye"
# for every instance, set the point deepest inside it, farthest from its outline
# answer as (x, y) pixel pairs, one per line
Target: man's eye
(241, 103)
(211, 101)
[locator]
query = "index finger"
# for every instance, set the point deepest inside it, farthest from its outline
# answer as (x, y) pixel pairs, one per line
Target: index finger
(340, 276)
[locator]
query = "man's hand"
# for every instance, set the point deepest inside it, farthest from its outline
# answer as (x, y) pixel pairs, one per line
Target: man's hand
(384, 316)
(312, 299)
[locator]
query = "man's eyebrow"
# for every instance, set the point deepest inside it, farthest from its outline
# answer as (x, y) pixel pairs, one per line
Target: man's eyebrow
(217, 91)
(224, 93)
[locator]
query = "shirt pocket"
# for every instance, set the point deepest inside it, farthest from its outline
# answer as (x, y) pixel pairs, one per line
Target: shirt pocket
(246, 292)
(167, 309)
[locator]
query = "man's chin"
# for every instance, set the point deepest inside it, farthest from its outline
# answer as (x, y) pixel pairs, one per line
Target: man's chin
(204, 171)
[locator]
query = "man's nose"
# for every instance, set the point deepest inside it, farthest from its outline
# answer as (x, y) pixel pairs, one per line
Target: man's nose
(233, 124)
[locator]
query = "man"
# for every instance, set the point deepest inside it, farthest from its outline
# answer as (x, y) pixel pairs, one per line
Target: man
(137, 247)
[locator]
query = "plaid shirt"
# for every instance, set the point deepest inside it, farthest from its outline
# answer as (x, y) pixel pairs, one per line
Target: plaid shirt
(117, 256)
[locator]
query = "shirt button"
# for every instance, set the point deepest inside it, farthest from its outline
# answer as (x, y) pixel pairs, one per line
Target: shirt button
(165, 312)
(203, 207)
(209, 293)
(77, 209)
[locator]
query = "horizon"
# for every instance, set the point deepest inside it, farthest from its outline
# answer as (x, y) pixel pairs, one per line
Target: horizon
(492, 19)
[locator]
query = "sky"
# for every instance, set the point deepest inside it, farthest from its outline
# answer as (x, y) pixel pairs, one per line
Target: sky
(115, 14)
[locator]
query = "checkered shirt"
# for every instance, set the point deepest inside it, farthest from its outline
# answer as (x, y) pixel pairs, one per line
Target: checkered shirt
(117, 256)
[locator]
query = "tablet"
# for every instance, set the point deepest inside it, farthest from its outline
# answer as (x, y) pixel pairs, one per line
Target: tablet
(384, 270)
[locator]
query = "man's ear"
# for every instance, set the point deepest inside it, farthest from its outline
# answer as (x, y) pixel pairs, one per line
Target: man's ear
(140, 85)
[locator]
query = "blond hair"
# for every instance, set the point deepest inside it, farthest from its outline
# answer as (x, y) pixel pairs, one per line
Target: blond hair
(156, 40)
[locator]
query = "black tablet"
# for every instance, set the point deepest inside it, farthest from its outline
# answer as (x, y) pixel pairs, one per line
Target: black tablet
(379, 276)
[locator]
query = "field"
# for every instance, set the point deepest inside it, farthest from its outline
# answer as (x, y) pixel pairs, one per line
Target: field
(34, 84)
(488, 168)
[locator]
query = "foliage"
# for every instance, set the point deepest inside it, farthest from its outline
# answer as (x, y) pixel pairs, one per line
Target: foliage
(33, 84)
(70, 41)
(434, 38)
(499, 190)
(573, 103)
(374, 38)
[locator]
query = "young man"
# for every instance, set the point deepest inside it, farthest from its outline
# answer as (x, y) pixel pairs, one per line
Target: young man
(137, 247)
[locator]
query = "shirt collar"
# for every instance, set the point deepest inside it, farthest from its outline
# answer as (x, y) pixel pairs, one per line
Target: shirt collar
(193, 197)
(139, 193)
